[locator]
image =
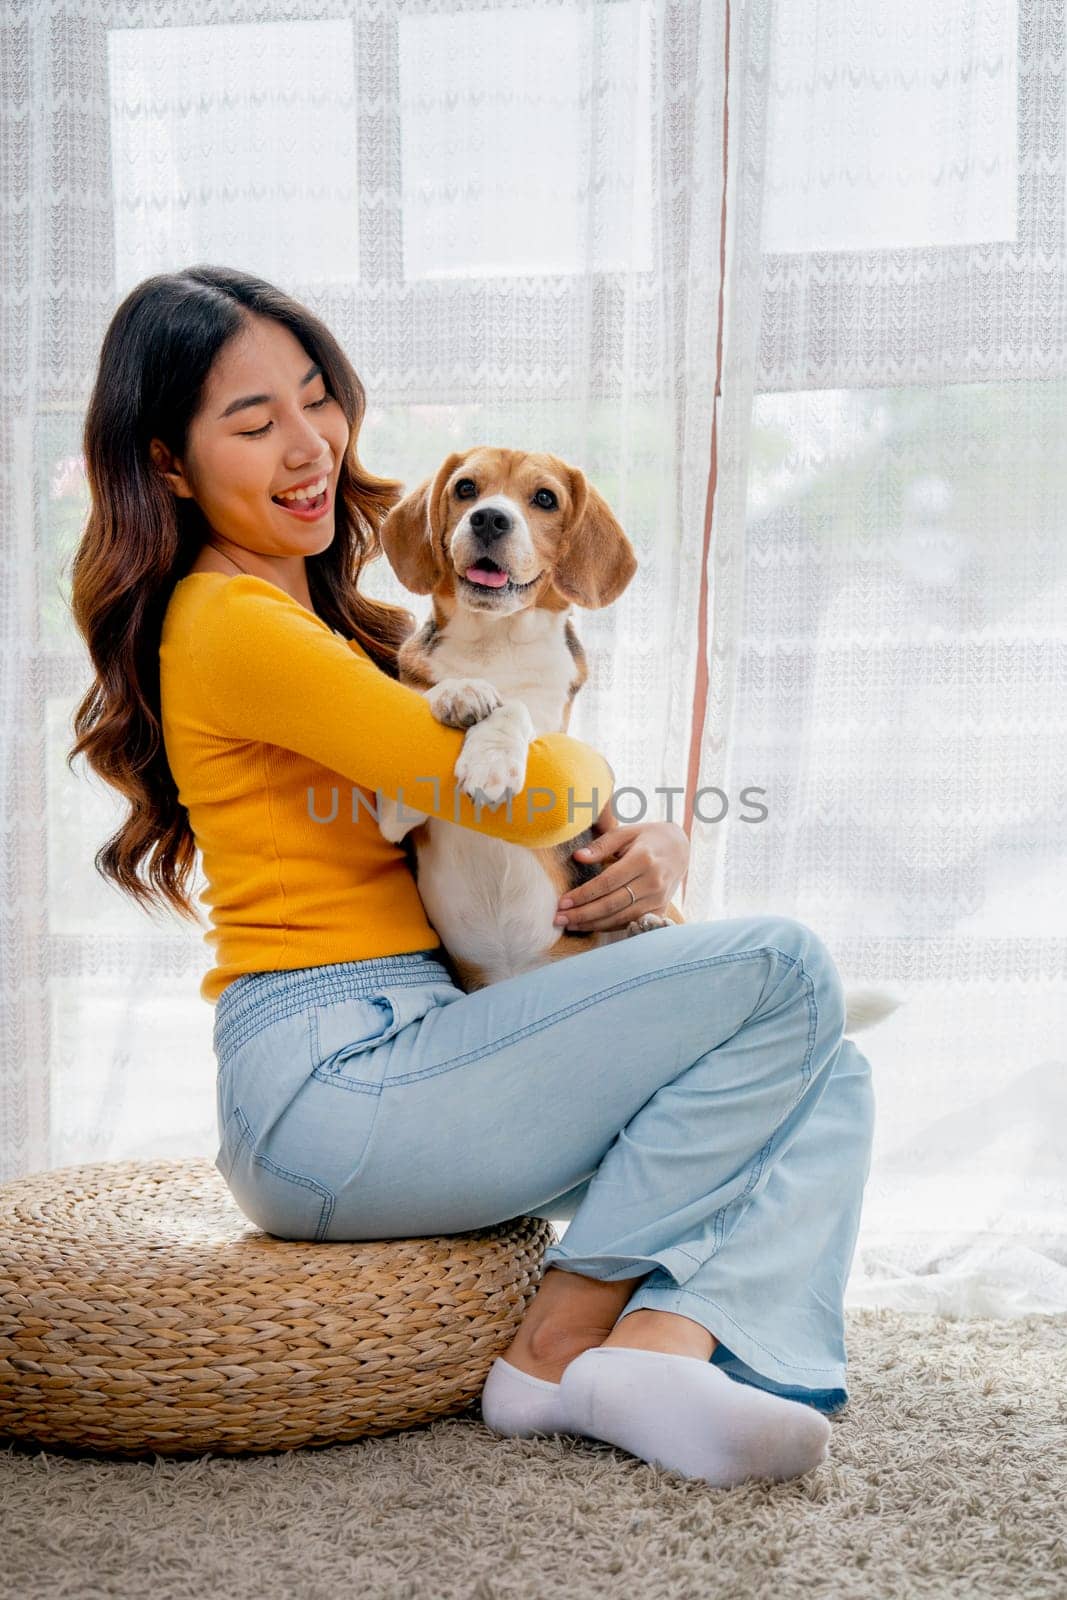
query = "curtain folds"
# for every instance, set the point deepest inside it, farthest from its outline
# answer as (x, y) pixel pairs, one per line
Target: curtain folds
(788, 283)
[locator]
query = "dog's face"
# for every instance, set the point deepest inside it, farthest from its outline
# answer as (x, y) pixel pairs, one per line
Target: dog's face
(497, 531)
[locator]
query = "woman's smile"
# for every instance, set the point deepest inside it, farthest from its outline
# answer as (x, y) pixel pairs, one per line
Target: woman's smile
(308, 501)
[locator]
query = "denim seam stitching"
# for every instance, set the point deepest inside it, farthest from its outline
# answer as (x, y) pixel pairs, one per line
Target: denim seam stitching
(588, 1000)
(759, 1160)
(805, 1070)
(336, 1081)
(326, 1210)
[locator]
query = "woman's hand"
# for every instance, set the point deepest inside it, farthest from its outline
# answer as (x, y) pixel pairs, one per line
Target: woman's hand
(651, 860)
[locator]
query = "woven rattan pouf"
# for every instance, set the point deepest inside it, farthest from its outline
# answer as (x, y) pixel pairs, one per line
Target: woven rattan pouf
(141, 1312)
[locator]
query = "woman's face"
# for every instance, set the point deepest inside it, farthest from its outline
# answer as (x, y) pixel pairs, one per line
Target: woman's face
(266, 427)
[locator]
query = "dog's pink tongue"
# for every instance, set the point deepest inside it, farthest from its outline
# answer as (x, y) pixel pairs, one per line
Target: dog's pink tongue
(492, 580)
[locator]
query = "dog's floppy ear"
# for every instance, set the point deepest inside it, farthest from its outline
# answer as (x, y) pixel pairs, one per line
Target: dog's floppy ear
(409, 533)
(596, 561)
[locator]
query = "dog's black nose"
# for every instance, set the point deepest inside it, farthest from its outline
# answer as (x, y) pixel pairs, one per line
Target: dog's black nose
(490, 522)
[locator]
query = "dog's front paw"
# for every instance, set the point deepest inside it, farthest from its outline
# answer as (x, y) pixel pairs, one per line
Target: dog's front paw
(462, 702)
(646, 922)
(493, 758)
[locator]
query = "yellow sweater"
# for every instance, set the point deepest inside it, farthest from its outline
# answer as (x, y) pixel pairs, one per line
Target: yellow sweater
(265, 712)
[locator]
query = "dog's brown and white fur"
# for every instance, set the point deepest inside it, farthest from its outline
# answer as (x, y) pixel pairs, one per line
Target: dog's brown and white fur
(506, 664)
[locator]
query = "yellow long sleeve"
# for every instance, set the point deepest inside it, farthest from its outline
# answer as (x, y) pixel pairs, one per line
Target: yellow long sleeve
(269, 669)
(264, 708)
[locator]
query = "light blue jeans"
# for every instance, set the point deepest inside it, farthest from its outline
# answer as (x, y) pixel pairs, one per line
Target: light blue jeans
(685, 1098)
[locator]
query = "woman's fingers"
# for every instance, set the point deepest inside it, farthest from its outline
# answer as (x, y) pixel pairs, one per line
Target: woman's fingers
(587, 910)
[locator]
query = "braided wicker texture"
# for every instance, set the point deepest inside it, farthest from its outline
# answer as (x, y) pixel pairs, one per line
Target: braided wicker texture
(141, 1312)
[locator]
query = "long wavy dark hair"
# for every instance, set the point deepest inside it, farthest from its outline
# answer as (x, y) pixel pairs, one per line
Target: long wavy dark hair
(139, 540)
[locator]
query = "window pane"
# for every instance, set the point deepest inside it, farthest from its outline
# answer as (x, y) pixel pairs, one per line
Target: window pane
(235, 144)
(508, 167)
(132, 1072)
(891, 126)
(900, 689)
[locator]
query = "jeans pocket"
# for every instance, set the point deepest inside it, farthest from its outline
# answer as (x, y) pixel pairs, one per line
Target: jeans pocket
(281, 1201)
(343, 1037)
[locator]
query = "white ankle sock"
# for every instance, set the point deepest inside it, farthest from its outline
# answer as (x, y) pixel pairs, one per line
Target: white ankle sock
(678, 1412)
(515, 1402)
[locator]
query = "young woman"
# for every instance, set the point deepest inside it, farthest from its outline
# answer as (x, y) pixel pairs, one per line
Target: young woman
(686, 1098)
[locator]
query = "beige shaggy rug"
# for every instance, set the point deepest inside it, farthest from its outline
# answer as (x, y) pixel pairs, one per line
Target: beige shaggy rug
(947, 1476)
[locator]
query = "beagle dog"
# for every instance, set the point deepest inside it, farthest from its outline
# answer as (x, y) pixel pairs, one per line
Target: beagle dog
(506, 542)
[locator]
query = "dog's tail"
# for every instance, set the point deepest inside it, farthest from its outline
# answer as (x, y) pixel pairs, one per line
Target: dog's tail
(864, 1007)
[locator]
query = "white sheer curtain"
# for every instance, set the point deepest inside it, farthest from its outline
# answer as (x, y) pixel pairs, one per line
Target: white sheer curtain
(512, 215)
(889, 642)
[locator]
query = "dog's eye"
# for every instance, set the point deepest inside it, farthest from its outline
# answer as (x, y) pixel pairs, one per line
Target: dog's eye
(545, 499)
(465, 488)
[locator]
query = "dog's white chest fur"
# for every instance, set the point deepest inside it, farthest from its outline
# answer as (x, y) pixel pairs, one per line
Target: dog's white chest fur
(490, 901)
(524, 657)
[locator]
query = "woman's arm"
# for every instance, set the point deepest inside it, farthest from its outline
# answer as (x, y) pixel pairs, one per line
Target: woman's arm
(265, 668)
